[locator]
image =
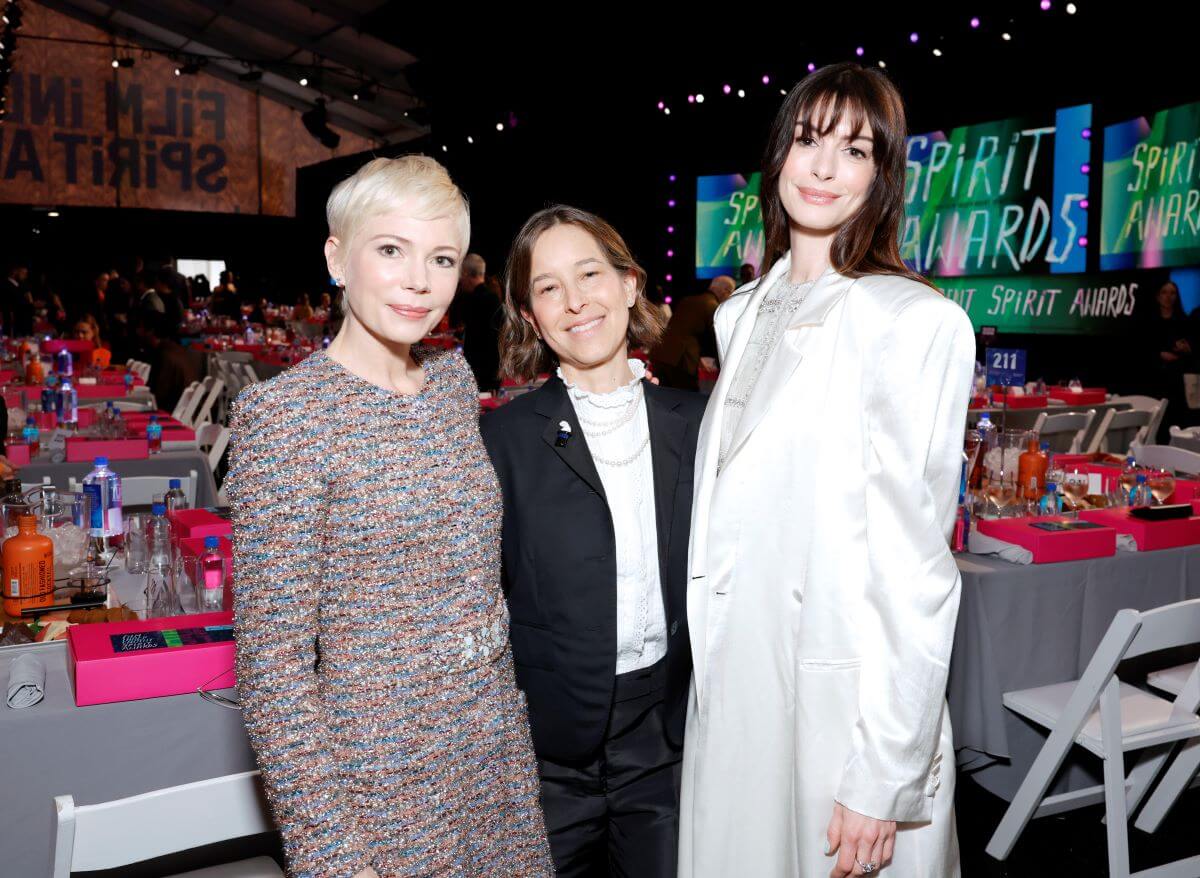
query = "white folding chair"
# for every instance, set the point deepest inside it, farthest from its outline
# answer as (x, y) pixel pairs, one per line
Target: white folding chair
(117, 833)
(140, 490)
(193, 407)
(248, 371)
(1115, 423)
(1074, 424)
(213, 438)
(1171, 680)
(1156, 407)
(185, 400)
(1127, 719)
(204, 414)
(144, 404)
(1177, 460)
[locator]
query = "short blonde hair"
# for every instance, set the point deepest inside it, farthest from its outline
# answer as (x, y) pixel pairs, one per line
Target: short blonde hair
(417, 181)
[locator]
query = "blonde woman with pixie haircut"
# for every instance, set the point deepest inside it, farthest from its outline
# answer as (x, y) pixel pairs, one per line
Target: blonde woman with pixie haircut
(373, 658)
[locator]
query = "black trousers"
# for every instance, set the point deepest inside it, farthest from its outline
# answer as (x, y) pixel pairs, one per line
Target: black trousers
(618, 815)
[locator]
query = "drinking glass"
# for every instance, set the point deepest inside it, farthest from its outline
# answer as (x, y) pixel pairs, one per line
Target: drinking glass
(1075, 488)
(1162, 485)
(137, 549)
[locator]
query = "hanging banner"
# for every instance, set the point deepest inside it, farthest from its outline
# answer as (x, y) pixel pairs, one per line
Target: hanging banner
(729, 229)
(1151, 211)
(80, 132)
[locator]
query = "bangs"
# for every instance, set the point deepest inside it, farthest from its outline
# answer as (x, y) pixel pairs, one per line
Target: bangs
(821, 112)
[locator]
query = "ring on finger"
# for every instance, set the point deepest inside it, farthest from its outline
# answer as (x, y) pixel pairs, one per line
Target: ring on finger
(867, 868)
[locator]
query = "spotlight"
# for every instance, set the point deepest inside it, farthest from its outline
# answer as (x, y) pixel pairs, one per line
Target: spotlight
(913, 37)
(859, 51)
(741, 92)
(937, 53)
(811, 67)
(727, 88)
(316, 121)
(1006, 36)
(699, 99)
(974, 23)
(1072, 9)
(470, 139)
(499, 126)
(304, 80)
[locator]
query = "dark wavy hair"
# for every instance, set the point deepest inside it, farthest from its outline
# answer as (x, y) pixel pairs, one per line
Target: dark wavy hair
(868, 242)
(522, 354)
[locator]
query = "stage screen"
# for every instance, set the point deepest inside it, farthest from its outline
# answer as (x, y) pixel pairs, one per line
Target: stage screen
(1151, 210)
(999, 198)
(729, 230)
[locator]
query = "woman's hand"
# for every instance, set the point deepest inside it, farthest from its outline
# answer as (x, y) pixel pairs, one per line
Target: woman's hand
(858, 841)
(368, 872)
(6, 468)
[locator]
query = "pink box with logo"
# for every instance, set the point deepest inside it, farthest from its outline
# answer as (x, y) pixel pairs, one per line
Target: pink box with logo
(1086, 396)
(149, 658)
(84, 450)
(1052, 546)
(1150, 535)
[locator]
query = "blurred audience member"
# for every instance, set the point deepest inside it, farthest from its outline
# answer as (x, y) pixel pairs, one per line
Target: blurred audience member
(689, 336)
(480, 313)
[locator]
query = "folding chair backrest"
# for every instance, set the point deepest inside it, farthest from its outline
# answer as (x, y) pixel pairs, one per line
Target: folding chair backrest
(1076, 423)
(1178, 460)
(1166, 628)
(1115, 427)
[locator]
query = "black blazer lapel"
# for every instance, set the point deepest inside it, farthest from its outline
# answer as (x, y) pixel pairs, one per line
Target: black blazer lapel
(555, 405)
(667, 433)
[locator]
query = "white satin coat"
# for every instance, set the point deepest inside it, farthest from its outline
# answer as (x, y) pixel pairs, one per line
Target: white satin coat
(823, 595)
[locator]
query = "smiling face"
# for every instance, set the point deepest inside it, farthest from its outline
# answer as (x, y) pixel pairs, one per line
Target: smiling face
(399, 273)
(826, 177)
(578, 302)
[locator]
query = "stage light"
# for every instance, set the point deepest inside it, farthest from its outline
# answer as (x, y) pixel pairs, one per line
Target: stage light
(355, 96)
(811, 67)
(671, 202)
(860, 51)
(766, 79)
(881, 63)
(913, 37)
(670, 278)
(1086, 133)
(470, 139)
(727, 88)
(699, 99)
(661, 105)
(783, 91)
(974, 22)
(316, 121)
(1045, 5)
(304, 80)
(672, 178)
(445, 148)
(667, 299)
(937, 53)
(1006, 36)
(1083, 202)
(670, 254)
(667, 111)
(691, 99)
(1083, 242)
(178, 72)
(52, 213)
(1071, 9)
(114, 61)
(741, 92)
(1085, 168)
(670, 230)
(499, 126)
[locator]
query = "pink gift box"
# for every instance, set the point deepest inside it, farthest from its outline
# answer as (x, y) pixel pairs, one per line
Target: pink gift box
(194, 523)
(17, 453)
(143, 418)
(99, 391)
(1087, 396)
(1150, 535)
(1020, 401)
(1050, 546)
(149, 658)
(1186, 490)
(177, 434)
(83, 450)
(67, 344)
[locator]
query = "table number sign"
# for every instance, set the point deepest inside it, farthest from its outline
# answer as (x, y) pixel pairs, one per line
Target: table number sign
(1006, 367)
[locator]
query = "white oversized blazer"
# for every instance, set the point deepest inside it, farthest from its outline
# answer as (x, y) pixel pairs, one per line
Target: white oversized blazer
(822, 592)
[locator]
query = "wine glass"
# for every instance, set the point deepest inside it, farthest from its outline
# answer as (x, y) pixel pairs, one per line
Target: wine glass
(1001, 493)
(1075, 488)
(1075, 385)
(1162, 485)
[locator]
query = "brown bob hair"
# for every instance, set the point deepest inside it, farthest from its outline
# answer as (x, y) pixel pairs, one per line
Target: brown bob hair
(522, 354)
(868, 242)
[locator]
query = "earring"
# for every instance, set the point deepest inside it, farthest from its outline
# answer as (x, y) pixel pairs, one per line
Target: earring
(337, 282)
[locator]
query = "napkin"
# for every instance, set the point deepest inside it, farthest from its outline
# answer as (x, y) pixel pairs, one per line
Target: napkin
(26, 681)
(1126, 543)
(982, 544)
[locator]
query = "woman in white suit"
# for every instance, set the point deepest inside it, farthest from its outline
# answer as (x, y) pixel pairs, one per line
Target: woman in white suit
(822, 592)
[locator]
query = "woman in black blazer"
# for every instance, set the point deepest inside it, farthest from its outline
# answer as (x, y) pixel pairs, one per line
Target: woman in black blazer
(596, 471)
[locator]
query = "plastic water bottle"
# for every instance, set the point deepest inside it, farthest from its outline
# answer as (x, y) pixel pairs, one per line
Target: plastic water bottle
(175, 497)
(119, 430)
(159, 538)
(154, 434)
(128, 382)
(1050, 503)
(68, 412)
(1141, 494)
(104, 487)
(64, 363)
(31, 436)
(212, 577)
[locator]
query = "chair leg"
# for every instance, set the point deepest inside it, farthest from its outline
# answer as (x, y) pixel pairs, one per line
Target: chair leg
(1142, 775)
(1171, 787)
(1114, 781)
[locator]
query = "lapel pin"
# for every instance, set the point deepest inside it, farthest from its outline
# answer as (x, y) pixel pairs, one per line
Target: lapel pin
(564, 433)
